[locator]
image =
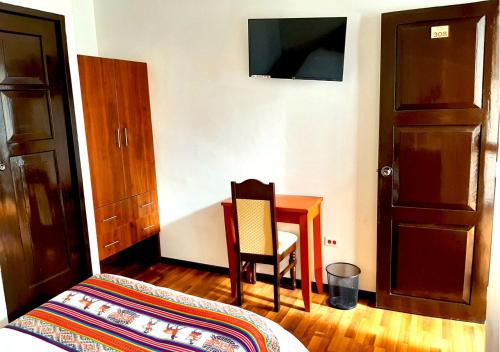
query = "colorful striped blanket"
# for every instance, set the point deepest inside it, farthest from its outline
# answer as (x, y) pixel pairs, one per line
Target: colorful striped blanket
(113, 313)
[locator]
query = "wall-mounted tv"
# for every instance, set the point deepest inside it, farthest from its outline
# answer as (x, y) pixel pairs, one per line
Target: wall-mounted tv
(297, 48)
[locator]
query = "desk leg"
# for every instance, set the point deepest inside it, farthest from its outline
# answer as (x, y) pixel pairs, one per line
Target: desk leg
(305, 265)
(318, 251)
(231, 242)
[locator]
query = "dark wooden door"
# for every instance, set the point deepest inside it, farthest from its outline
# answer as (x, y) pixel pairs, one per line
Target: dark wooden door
(105, 139)
(133, 109)
(437, 154)
(43, 247)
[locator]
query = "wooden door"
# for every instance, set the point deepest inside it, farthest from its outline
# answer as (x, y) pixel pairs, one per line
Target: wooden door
(43, 247)
(438, 145)
(135, 119)
(104, 134)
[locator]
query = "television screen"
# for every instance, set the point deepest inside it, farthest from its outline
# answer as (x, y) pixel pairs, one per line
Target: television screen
(297, 48)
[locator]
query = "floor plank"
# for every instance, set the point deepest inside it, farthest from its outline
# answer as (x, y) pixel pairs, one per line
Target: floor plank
(363, 329)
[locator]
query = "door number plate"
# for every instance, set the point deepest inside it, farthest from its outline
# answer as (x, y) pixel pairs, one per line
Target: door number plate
(438, 32)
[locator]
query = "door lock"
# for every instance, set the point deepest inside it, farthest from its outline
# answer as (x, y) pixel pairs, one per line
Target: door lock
(2, 166)
(386, 171)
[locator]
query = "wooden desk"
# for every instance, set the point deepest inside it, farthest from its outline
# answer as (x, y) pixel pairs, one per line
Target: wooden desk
(301, 210)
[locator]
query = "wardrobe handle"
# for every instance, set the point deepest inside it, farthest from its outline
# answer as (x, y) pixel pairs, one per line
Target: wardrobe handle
(147, 205)
(148, 227)
(126, 137)
(110, 218)
(111, 244)
(118, 139)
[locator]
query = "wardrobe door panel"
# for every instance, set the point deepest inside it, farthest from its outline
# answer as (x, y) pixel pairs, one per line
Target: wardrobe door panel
(135, 119)
(104, 137)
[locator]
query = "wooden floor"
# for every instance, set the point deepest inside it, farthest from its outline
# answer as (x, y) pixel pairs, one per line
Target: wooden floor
(326, 329)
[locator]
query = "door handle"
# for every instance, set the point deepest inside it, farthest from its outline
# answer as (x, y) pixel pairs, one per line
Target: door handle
(110, 218)
(118, 139)
(2, 166)
(126, 136)
(386, 171)
(111, 244)
(147, 205)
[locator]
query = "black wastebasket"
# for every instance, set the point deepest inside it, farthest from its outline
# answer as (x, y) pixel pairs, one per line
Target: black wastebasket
(343, 281)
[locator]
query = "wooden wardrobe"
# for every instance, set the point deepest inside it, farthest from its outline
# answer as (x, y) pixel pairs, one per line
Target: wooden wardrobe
(120, 144)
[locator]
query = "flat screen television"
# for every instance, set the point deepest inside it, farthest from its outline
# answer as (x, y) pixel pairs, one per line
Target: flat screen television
(297, 48)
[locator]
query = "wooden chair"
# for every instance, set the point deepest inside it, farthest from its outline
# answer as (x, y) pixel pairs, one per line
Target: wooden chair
(257, 237)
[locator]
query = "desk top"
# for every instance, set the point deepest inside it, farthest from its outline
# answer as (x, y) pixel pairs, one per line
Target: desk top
(299, 204)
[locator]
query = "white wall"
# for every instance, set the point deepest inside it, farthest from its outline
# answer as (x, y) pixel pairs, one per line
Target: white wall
(493, 308)
(213, 124)
(84, 27)
(86, 44)
(3, 307)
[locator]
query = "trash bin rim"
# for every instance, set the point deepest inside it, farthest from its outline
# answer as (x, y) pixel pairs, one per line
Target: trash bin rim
(344, 277)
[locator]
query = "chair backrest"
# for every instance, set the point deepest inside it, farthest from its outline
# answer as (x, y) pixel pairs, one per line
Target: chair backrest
(254, 217)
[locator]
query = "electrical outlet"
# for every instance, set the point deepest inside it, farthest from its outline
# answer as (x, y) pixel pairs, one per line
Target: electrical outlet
(330, 242)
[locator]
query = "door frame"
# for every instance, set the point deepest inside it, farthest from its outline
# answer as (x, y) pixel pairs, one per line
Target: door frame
(476, 310)
(72, 135)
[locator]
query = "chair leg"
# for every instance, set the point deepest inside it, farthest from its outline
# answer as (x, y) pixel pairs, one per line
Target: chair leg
(239, 284)
(249, 272)
(276, 287)
(253, 268)
(293, 270)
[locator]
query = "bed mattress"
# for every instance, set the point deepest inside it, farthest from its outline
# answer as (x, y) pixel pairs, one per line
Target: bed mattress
(114, 313)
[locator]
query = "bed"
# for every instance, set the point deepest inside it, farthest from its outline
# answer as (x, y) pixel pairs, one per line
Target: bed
(113, 313)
